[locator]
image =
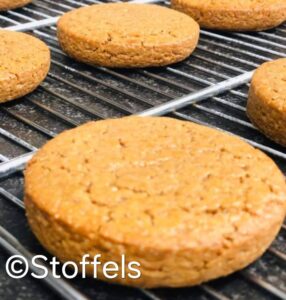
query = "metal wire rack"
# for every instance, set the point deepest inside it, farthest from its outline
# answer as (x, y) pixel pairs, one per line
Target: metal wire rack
(209, 88)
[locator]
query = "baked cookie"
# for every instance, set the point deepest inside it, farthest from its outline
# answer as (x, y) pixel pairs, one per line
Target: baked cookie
(236, 15)
(187, 202)
(11, 4)
(24, 63)
(127, 35)
(266, 106)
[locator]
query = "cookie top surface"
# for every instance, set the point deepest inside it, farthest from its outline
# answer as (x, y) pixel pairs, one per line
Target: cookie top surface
(20, 53)
(156, 182)
(129, 24)
(269, 83)
(237, 4)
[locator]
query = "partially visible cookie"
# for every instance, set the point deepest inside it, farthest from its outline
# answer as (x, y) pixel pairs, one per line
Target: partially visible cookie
(11, 4)
(127, 35)
(266, 105)
(24, 63)
(235, 15)
(187, 202)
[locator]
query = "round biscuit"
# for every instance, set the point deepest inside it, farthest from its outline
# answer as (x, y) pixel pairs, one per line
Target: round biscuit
(234, 15)
(187, 202)
(24, 63)
(266, 106)
(127, 35)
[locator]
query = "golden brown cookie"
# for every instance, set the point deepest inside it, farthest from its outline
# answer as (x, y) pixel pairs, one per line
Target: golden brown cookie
(11, 4)
(266, 106)
(127, 35)
(24, 63)
(188, 202)
(236, 15)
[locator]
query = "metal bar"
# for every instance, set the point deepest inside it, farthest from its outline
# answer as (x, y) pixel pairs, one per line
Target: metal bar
(149, 294)
(86, 110)
(54, 113)
(242, 43)
(228, 47)
(267, 149)
(24, 17)
(8, 20)
(16, 139)
(11, 198)
(258, 39)
(34, 24)
(197, 96)
(219, 63)
(15, 164)
(61, 5)
(225, 116)
(208, 71)
(272, 35)
(230, 104)
(225, 55)
(254, 278)
(278, 253)
(202, 81)
(186, 88)
(3, 158)
(48, 8)
(212, 292)
(35, 12)
(32, 124)
(94, 79)
(99, 97)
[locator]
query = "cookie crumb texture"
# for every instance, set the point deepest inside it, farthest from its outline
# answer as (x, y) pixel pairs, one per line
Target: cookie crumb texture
(188, 202)
(266, 106)
(24, 63)
(236, 15)
(11, 4)
(127, 35)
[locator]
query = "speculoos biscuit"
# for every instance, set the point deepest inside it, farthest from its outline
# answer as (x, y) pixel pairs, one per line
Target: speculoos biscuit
(187, 202)
(266, 106)
(127, 35)
(234, 15)
(24, 63)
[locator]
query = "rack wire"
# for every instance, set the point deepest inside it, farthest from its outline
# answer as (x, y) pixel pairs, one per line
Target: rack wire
(209, 88)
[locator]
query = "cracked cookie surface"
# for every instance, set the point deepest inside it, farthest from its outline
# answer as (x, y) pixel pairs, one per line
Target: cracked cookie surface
(127, 35)
(266, 106)
(11, 4)
(188, 202)
(24, 63)
(235, 15)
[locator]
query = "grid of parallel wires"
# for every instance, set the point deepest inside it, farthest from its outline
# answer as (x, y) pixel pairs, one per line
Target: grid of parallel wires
(74, 93)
